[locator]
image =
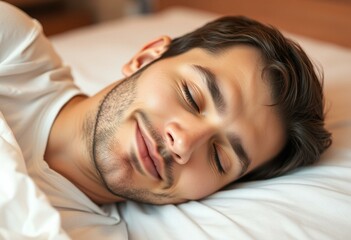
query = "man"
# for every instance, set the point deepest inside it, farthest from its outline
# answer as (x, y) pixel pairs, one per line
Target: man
(233, 100)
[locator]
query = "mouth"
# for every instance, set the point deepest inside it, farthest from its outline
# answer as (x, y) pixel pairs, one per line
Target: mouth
(147, 157)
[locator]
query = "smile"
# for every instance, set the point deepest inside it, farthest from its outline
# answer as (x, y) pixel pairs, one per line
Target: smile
(149, 163)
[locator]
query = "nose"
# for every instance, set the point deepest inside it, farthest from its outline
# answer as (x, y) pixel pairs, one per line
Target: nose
(183, 141)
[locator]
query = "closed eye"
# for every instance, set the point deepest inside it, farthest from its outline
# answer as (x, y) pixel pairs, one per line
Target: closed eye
(217, 160)
(189, 98)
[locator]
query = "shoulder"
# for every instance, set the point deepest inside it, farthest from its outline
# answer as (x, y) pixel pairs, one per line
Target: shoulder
(16, 28)
(14, 20)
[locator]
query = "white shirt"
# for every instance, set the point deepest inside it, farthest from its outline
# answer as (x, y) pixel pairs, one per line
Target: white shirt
(34, 86)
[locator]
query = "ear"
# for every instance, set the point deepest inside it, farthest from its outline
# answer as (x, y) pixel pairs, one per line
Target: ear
(150, 52)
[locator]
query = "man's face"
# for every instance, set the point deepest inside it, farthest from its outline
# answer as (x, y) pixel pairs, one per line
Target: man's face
(187, 126)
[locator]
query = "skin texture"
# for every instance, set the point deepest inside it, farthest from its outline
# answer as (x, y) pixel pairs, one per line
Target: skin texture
(99, 142)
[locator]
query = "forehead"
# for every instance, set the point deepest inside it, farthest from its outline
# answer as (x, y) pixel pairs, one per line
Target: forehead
(238, 71)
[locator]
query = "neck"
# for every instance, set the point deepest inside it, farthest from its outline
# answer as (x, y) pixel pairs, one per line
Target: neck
(67, 152)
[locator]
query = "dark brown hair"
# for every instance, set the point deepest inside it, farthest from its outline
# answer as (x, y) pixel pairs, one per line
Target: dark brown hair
(295, 86)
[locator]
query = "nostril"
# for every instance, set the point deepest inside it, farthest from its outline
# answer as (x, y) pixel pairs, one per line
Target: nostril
(171, 141)
(170, 138)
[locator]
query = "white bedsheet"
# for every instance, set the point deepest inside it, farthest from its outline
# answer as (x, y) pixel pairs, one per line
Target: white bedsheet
(24, 210)
(310, 203)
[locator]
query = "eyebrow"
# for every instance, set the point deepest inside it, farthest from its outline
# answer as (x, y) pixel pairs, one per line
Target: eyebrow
(237, 146)
(212, 84)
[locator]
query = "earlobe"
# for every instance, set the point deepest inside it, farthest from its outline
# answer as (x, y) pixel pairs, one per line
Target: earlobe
(150, 52)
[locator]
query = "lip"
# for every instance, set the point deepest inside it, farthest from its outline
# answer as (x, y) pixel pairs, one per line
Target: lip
(146, 154)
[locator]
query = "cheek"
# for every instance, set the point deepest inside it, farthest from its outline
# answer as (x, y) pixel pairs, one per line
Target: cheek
(160, 98)
(196, 182)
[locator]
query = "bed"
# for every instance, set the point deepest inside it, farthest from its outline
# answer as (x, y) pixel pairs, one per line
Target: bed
(309, 203)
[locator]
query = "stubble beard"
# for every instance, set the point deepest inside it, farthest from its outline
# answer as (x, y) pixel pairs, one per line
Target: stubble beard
(107, 120)
(102, 128)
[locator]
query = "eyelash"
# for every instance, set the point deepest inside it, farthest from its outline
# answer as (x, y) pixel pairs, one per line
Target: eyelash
(217, 160)
(189, 97)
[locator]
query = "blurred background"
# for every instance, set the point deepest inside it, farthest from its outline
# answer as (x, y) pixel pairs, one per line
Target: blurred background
(58, 16)
(328, 20)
